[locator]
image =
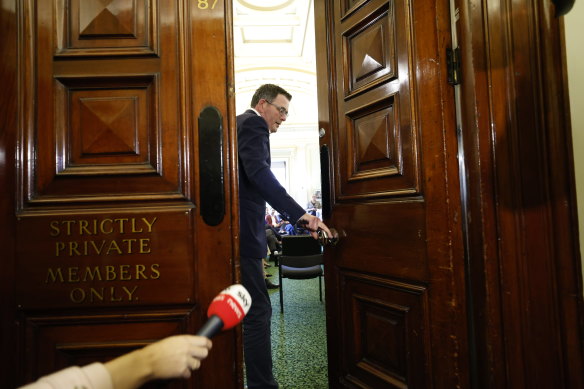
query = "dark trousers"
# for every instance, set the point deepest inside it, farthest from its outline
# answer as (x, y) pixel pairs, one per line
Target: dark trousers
(257, 345)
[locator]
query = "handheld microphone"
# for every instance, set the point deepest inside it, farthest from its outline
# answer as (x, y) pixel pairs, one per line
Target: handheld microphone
(226, 310)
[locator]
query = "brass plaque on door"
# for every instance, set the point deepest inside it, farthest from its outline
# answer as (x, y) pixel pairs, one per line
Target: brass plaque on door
(72, 260)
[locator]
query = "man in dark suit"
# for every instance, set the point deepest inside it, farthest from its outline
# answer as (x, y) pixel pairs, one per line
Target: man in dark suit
(258, 185)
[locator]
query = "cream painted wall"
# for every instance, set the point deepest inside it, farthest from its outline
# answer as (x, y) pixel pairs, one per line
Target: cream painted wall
(574, 29)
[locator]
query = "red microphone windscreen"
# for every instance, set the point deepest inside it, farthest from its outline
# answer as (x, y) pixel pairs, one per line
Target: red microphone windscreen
(231, 305)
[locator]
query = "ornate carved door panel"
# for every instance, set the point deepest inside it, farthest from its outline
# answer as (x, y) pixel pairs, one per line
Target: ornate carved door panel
(395, 286)
(112, 246)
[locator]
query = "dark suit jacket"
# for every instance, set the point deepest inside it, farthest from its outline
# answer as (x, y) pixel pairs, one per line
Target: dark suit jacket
(258, 185)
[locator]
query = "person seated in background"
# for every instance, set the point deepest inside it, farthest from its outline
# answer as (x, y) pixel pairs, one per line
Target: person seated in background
(276, 219)
(274, 230)
(312, 206)
(282, 229)
(274, 241)
(173, 357)
(289, 229)
(268, 217)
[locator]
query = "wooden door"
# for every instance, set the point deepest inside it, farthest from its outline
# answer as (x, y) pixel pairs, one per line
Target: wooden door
(395, 282)
(118, 229)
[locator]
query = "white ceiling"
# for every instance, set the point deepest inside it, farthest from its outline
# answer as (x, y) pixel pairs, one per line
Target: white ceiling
(274, 43)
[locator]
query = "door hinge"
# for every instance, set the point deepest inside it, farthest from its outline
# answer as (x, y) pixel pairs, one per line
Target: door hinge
(453, 63)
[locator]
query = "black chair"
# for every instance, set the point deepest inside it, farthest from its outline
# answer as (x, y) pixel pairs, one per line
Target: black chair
(301, 259)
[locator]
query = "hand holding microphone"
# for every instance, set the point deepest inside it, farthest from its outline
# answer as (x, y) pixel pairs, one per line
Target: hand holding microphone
(226, 310)
(173, 357)
(178, 355)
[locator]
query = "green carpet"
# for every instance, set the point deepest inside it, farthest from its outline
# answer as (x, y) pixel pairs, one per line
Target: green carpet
(299, 334)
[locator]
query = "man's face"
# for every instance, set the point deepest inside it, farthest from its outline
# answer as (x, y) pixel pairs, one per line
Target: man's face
(274, 112)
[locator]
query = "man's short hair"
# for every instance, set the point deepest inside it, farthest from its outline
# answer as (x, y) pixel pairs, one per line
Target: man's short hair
(268, 92)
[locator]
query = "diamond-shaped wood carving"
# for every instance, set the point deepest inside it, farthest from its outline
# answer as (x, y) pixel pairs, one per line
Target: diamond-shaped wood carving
(108, 28)
(372, 138)
(373, 147)
(101, 132)
(377, 137)
(369, 50)
(107, 17)
(368, 53)
(109, 126)
(108, 130)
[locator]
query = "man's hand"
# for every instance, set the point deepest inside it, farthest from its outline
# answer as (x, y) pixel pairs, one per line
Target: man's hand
(314, 224)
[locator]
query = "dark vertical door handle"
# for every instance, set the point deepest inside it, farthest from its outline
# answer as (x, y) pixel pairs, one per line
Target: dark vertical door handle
(325, 177)
(325, 182)
(211, 180)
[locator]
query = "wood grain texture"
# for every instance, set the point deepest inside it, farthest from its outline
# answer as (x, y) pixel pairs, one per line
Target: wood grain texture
(525, 265)
(9, 120)
(109, 249)
(395, 193)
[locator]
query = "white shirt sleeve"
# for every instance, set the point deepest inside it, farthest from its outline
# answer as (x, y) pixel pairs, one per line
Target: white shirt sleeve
(94, 376)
